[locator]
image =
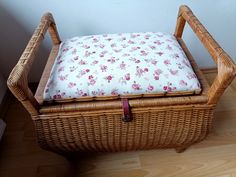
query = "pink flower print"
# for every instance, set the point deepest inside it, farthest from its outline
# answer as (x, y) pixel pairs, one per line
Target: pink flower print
(71, 84)
(169, 47)
(157, 74)
(154, 61)
(94, 93)
(124, 45)
(150, 87)
(74, 51)
(102, 54)
(122, 65)
(94, 62)
(59, 62)
(82, 72)
(112, 60)
(87, 53)
(147, 36)
(169, 40)
(136, 86)
(160, 53)
(80, 93)
(82, 62)
(103, 68)
(137, 61)
(109, 78)
(160, 35)
(158, 71)
(72, 68)
(182, 83)
(79, 43)
(186, 63)
(157, 42)
(176, 56)
(167, 62)
(191, 75)
(143, 53)
(113, 45)
(180, 66)
(169, 87)
(130, 42)
(127, 76)
(123, 39)
(86, 46)
(142, 42)
(126, 55)
(62, 78)
(173, 72)
(95, 40)
(139, 71)
(76, 58)
(134, 49)
(117, 50)
(59, 95)
(61, 69)
(91, 80)
(132, 36)
(152, 47)
(51, 84)
(101, 46)
(65, 49)
(46, 91)
(108, 39)
(165, 88)
(156, 77)
(114, 92)
(90, 77)
(100, 92)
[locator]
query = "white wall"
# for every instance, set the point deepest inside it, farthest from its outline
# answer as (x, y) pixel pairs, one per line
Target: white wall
(76, 17)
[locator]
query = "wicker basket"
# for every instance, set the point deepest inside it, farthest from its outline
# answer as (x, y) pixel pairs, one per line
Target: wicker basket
(96, 125)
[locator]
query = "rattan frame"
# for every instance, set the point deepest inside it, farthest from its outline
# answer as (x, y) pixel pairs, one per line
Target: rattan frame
(96, 125)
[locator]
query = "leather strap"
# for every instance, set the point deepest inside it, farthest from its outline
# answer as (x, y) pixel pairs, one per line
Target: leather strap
(127, 116)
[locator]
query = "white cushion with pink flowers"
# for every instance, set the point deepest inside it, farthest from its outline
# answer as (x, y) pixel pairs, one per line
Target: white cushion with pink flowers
(119, 64)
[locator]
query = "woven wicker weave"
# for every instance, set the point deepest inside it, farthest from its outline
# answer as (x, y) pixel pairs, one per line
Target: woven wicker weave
(96, 125)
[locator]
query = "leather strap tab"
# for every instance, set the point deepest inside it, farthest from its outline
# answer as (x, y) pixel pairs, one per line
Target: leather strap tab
(127, 116)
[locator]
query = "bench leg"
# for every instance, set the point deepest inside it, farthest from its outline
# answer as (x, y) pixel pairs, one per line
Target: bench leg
(181, 148)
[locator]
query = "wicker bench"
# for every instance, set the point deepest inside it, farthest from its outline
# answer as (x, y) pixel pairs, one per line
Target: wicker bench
(158, 121)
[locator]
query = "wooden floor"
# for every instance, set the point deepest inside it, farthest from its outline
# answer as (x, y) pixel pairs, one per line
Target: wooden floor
(215, 157)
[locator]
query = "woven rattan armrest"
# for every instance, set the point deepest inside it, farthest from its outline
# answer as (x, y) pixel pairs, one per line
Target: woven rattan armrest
(225, 65)
(18, 79)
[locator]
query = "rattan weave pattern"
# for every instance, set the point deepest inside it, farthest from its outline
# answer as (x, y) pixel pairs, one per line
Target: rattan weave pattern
(159, 122)
(161, 127)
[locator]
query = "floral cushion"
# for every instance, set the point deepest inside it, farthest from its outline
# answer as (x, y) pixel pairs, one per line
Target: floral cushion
(120, 64)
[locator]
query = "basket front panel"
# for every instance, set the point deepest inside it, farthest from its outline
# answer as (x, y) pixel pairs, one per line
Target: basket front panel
(107, 132)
